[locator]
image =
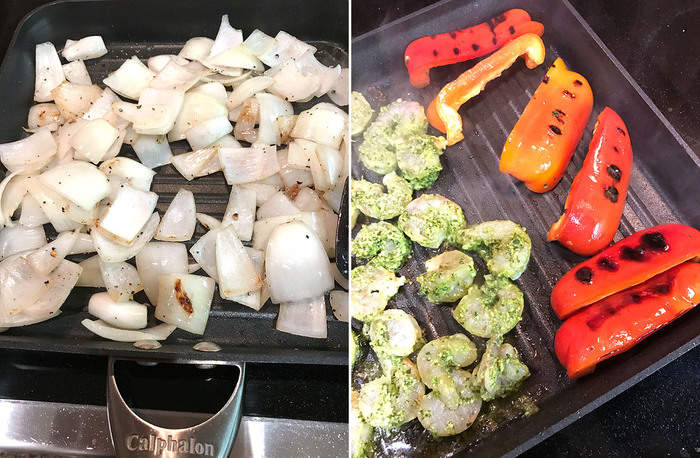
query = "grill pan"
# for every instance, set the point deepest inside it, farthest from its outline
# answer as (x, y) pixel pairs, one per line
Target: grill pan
(146, 29)
(665, 172)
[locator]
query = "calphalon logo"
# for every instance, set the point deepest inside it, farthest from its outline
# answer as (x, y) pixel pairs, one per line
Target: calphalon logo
(158, 445)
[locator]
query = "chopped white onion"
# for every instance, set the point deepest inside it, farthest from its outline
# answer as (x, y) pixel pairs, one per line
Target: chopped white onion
(123, 315)
(334, 197)
(192, 268)
(296, 264)
(285, 124)
(102, 105)
(215, 90)
(271, 107)
(204, 252)
(86, 48)
(130, 79)
(49, 72)
(156, 111)
(122, 170)
(121, 279)
(83, 244)
(308, 200)
(338, 276)
(227, 37)
(31, 215)
(77, 73)
(206, 132)
(196, 108)
(339, 91)
(152, 150)
(13, 191)
(159, 258)
(305, 318)
(179, 221)
(259, 43)
(80, 182)
(91, 275)
(29, 154)
(175, 77)
(225, 79)
(331, 167)
(246, 165)
(291, 83)
(323, 123)
(286, 47)
(128, 214)
(111, 251)
(263, 227)
(102, 329)
(92, 141)
(45, 259)
(56, 207)
(64, 151)
(158, 63)
(240, 212)
(246, 90)
(74, 100)
(193, 164)
(263, 191)
(236, 271)
(44, 115)
(184, 300)
(196, 48)
(16, 239)
(253, 298)
(209, 222)
(277, 205)
(327, 76)
(339, 304)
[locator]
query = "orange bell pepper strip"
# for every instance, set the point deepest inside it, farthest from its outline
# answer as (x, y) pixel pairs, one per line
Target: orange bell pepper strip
(594, 206)
(629, 262)
(448, 48)
(442, 112)
(618, 322)
(543, 140)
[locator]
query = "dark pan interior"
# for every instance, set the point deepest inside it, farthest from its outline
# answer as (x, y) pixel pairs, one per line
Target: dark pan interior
(146, 29)
(665, 172)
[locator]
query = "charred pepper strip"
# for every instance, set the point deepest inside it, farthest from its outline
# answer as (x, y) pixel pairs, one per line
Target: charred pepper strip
(597, 197)
(618, 322)
(629, 262)
(442, 112)
(543, 140)
(461, 45)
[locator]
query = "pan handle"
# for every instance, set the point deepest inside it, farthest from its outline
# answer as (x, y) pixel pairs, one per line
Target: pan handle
(134, 437)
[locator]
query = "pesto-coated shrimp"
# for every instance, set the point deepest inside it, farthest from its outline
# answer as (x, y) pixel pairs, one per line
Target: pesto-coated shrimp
(354, 347)
(370, 290)
(492, 309)
(396, 333)
(360, 432)
(392, 399)
(447, 277)
(383, 244)
(360, 113)
(499, 371)
(370, 198)
(432, 219)
(418, 159)
(504, 245)
(438, 364)
(441, 420)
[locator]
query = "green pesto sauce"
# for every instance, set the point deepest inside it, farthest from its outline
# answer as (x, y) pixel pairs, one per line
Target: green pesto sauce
(360, 113)
(383, 244)
(504, 245)
(450, 280)
(370, 198)
(500, 371)
(432, 219)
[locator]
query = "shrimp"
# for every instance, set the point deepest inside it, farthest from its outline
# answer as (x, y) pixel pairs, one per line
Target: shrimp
(370, 198)
(383, 244)
(441, 420)
(418, 159)
(439, 361)
(447, 277)
(392, 399)
(492, 309)
(354, 347)
(499, 371)
(431, 219)
(371, 289)
(396, 333)
(395, 122)
(360, 114)
(504, 245)
(360, 432)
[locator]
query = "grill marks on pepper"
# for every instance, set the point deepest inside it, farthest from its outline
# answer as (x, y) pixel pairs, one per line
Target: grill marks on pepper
(633, 254)
(569, 94)
(622, 132)
(614, 172)
(655, 241)
(456, 51)
(555, 129)
(475, 47)
(511, 29)
(559, 115)
(584, 275)
(635, 298)
(612, 194)
(607, 264)
(545, 80)
(182, 298)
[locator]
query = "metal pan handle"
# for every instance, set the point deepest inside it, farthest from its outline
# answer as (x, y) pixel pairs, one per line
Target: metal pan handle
(132, 436)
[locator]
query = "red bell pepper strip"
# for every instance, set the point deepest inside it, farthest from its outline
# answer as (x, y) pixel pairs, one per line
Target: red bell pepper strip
(442, 112)
(543, 140)
(594, 206)
(461, 45)
(627, 263)
(618, 322)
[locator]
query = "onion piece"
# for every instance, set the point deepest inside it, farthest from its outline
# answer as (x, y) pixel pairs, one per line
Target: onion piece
(123, 315)
(327, 76)
(277, 205)
(11, 195)
(196, 108)
(330, 221)
(74, 100)
(308, 200)
(130, 79)
(156, 111)
(246, 120)
(31, 214)
(225, 79)
(286, 47)
(122, 170)
(44, 115)
(196, 48)
(240, 212)
(91, 275)
(192, 164)
(152, 150)
(259, 43)
(102, 105)
(79, 182)
(331, 167)
(285, 124)
(83, 244)
(184, 300)
(29, 154)
(338, 276)
(296, 264)
(214, 90)
(209, 222)
(235, 57)
(206, 132)
(204, 252)
(159, 258)
(20, 285)
(64, 151)
(76, 72)
(102, 329)
(246, 90)
(227, 141)
(16, 239)
(291, 83)
(121, 279)
(45, 259)
(86, 48)
(271, 107)
(263, 228)
(246, 165)
(237, 274)
(263, 191)
(92, 141)
(334, 197)
(253, 298)
(178, 222)
(49, 72)
(129, 212)
(339, 304)
(227, 37)
(110, 251)
(305, 318)
(301, 154)
(54, 206)
(175, 77)
(192, 268)
(338, 93)
(158, 63)
(323, 123)
(3, 185)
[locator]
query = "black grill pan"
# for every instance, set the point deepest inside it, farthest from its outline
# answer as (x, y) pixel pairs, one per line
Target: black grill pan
(666, 173)
(146, 29)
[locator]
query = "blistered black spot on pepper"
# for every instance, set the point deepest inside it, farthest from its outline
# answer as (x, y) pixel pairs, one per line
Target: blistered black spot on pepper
(511, 29)
(545, 80)
(614, 172)
(584, 275)
(555, 129)
(559, 115)
(456, 51)
(607, 264)
(611, 193)
(633, 254)
(621, 131)
(494, 41)
(662, 289)
(475, 47)
(636, 298)
(577, 83)
(453, 35)
(655, 241)
(570, 94)
(435, 53)
(615, 149)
